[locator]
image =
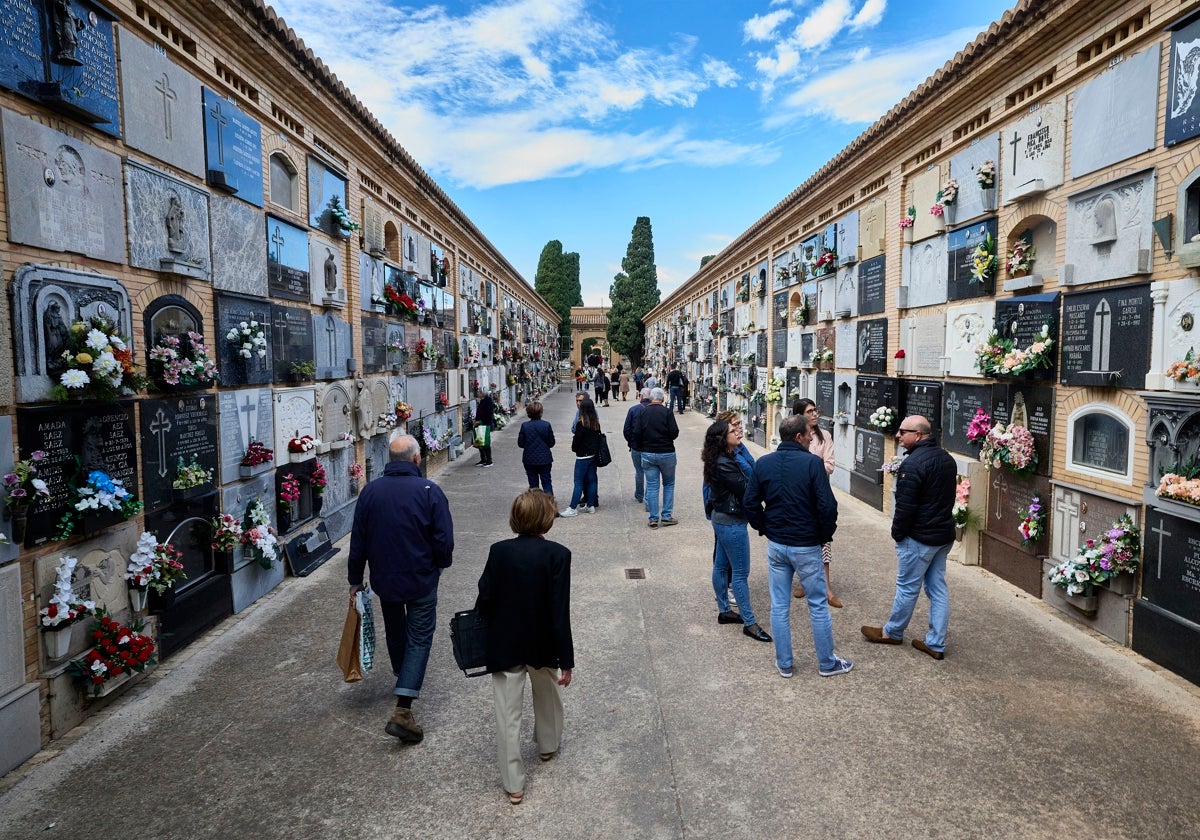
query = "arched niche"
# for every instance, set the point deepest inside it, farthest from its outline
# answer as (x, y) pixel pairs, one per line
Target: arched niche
(1042, 233)
(284, 182)
(1100, 443)
(391, 240)
(170, 315)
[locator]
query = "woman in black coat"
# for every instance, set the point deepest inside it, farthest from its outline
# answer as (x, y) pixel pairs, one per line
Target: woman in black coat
(525, 598)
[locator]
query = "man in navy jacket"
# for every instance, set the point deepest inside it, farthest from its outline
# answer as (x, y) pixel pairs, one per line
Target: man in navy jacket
(403, 531)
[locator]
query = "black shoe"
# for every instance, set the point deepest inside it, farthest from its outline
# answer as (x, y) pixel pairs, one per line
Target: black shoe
(757, 633)
(729, 617)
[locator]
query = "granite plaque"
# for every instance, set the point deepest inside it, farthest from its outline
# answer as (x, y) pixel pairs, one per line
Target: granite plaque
(1159, 636)
(1012, 563)
(168, 223)
(162, 106)
(1106, 337)
(327, 190)
(1008, 499)
(1031, 406)
(868, 455)
(964, 167)
(967, 327)
(779, 347)
(871, 392)
(374, 344)
(62, 194)
(925, 399)
(234, 367)
(872, 286)
(871, 346)
(1171, 575)
(287, 260)
(923, 339)
(232, 149)
(173, 429)
(1021, 320)
(925, 273)
(825, 393)
(1110, 232)
(1125, 95)
(1183, 105)
(245, 415)
(372, 277)
(332, 346)
(239, 262)
(961, 245)
(291, 337)
(959, 404)
(1033, 151)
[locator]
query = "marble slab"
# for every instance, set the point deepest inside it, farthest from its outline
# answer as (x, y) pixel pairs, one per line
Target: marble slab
(966, 328)
(1125, 95)
(162, 105)
(964, 166)
(295, 416)
(168, 223)
(923, 339)
(1109, 231)
(232, 149)
(923, 188)
(239, 259)
(1033, 151)
(925, 268)
(244, 415)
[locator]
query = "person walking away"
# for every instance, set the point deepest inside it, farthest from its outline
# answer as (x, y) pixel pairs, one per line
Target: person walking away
(788, 499)
(654, 433)
(402, 509)
(485, 417)
(624, 381)
(675, 386)
(600, 383)
(822, 447)
(639, 475)
(579, 379)
(685, 391)
(536, 438)
(639, 380)
(923, 530)
(725, 476)
(525, 598)
(585, 443)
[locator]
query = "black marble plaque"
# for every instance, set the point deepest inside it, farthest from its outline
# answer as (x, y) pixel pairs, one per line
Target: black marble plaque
(868, 455)
(761, 348)
(1171, 571)
(287, 261)
(825, 391)
(807, 341)
(779, 342)
(871, 352)
(291, 339)
(872, 285)
(1159, 636)
(1032, 406)
(961, 245)
(871, 392)
(1022, 318)
(1106, 337)
(76, 440)
(236, 369)
(1011, 562)
(925, 399)
(959, 404)
(374, 344)
(232, 149)
(1183, 106)
(184, 427)
(1008, 499)
(793, 388)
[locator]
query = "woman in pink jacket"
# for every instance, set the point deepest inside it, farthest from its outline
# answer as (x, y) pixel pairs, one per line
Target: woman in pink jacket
(822, 447)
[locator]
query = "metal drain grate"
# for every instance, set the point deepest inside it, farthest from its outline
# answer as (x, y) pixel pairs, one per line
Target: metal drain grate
(635, 574)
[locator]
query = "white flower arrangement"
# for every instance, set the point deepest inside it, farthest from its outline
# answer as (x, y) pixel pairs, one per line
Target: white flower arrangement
(249, 339)
(883, 417)
(260, 536)
(64, 608)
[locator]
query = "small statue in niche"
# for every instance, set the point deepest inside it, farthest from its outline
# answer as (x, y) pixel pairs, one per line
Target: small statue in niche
(56, 334)
(66, 28)
(331, 282)
(175, 241)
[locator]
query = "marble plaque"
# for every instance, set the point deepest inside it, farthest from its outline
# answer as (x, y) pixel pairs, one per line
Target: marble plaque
(232, 149)
(62, 194)
(966, 328)
(327, 270)
(825, 391)
(923, 339)
(960, 401)
(287, 260)
(923, 191)
(873, 228)
(1110, 231)
(1033, 151)
(174, 429)
(325, 185)
(925, 399)
(23, 37)
(1183, 105)
(8, 550)
(335, 409)
(168, 223)
(239, 262)
(374, 344)
(1162, 638)
(245, 415)
(373, 227)
(376, 450)
(868, 455)
(1022, 319)
(382, 401)
(235, 369)
(1171, 577)
(1013, 564)
(12, 653)
(1031, 406)
(872, 286)
(292, 340)
(847, 345)
(332, 345)
(295, 416)
(925, 272)
(846, 293)
(1077, 516)
(964, 166)
(871, 344)
(372, 277)
(46, 302)
(1125, 96)
(250, 580)
(871, 392)
(779, 346)
(162, 106)
(1106, 337)
(960, 257)
(846, 233)
(1008, 497)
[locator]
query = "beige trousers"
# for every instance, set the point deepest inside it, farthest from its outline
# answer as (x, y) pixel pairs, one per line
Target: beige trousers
(509, 688)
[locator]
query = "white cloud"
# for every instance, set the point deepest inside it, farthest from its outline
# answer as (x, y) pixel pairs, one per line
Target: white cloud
(870, 14)
(823, 23)
(762, 27)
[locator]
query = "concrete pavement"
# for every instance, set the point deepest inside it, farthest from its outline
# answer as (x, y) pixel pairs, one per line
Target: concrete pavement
(675, 726)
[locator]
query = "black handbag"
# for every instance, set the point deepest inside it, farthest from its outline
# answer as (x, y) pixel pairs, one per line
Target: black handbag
(603, 456)
(468, 637)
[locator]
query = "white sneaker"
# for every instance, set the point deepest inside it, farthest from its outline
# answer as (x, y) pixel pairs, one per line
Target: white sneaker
(786, 673)
(589, 509)
(568, 512)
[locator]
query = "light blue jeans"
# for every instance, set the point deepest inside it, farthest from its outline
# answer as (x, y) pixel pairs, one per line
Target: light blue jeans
(659, 468)
(586, 488)
(784, 561)
(731, 565)
(918, 563)
(639, 476)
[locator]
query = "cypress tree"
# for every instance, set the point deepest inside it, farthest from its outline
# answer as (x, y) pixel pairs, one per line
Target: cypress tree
(634, 292)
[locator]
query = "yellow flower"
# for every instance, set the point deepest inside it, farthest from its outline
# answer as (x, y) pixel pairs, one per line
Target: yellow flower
(79, 327)
(84, 358)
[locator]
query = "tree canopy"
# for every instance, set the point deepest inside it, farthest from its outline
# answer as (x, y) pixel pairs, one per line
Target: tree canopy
(634, 292)
(557, 281)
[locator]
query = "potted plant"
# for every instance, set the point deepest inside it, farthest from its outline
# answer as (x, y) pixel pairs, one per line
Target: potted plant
(248, 340)
(22, 492)
(153, 565)
(257, 459)
(191, 479)
(63, 610)
(304, 371)
(258, 537)
(119, 652)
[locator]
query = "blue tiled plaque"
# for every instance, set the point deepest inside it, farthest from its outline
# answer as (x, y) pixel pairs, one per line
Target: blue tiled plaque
(232, 149)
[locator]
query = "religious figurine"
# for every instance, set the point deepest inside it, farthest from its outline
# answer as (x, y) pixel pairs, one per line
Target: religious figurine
(175, 240)
(56, 334)
(66, 26)
(1019, 415)
(331, 282)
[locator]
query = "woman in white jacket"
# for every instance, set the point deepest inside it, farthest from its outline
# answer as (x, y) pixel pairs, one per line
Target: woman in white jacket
(822, 447)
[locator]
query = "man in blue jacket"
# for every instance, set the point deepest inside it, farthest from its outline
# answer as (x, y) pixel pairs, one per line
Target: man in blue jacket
(403, 531)
(800, 515)
(639, 475)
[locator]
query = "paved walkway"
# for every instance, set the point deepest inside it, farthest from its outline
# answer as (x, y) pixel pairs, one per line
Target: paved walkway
(675, 726)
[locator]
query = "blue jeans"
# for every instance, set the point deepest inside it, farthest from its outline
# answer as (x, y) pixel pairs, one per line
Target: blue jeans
(639, 476)
(676, 396)
(731, 564)
(660, 469)
(540, 473)
(784, 561)
(918, 563)
(409, 627)
(585, 482)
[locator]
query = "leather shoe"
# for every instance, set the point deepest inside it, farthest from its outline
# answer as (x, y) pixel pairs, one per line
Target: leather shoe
(875, 635)
(924, 648)
(834, 601)
(757, 633)
(798, 592)
(729, 617)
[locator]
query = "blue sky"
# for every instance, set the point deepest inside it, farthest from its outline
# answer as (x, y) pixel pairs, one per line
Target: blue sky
(568, 119)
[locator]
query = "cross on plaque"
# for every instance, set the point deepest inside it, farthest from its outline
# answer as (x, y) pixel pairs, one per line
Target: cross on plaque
(954, 404)
(221, 120)
(1101, 335)
(250, 409)
(1016, 139)
(163, 86)
(159, 428)
(1001, 492)
(1068, 523)
(277, 240)
(1162, 532)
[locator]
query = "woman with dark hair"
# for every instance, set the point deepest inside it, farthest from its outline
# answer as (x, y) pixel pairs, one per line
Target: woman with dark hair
(525, 598)
(821, 446)
(585, 444)
(726, 479)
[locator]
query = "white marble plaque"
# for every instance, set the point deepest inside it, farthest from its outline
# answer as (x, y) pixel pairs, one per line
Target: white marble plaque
(1115, 115)
(925, 267)
(923, 338)
(847, 238)
(846, 345)
(1033, 152)
(295, 416)
(244, 414)
(1110, 231)
(873, 228)
(161, 105)
(1181, 330)
(963, 168)
(923, 190)
(334, 420)
(239, 260)
(966, 328)
(168, 223)
(12, 643)
(846, 292)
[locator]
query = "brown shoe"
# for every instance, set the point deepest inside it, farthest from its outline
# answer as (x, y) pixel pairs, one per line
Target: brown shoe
(798, 592)
(875, 636)
(924, 648)
(402, 725)
(834, 601)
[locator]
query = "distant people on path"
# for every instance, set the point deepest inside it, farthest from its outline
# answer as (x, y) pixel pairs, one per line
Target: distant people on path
(525, 598)
(639, 379)
(404, 534)
(788, 498)
(651, 380)
(726, 476)
(923, 530)
(623, 378)
(485, 418)
(536, 439)
(585, 443)
(654, 433)
(675, 387)
(600, 381)
(821, 446)
(580, 381)
(639, 475)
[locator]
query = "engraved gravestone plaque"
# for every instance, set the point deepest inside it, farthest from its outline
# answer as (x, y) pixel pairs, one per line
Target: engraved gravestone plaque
(959, 404)
(1031, 406)
(287, 260)
(1125, 96)
(871, 346)
(176, 429)
(825, 393)
(245, 415)
(235, 367)
(1021, 320)
(1183, 105)
(872, 286)
(1106, 337)
(925, 399)
(374, 344)
(161, 103)
(292, 342)
(232, 149)
(961, 282)
(872, 392)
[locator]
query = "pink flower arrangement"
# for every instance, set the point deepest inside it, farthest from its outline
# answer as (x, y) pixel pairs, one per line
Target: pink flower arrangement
(937, 210)
(226, 532)
(979, 426)
(1034, 524)
(289, 492)
(962, 494)
(1011, 447)
(356, 470)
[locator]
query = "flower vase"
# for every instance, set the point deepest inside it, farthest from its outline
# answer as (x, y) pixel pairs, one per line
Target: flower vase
(1086, 603)
(899, 366)
(426, 364)
(20, 518)
(263, 560)
(949, 212)
(58, 641)
(989, 198)
(285, 521)
(245, 471)
(354, 486)
(318, 502)
(137, 599)
(960, 531)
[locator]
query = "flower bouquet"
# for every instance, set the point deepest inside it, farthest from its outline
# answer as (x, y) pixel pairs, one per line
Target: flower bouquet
(1099, 560)
(155, 565)
(908, 219)
(985, 175)
(800, 313)
(1187, 370)
(226, 533)
(117, 650)
(979, 426)
(98, 362)
(892, 467)
(825, 354)
(1011, 447)
(23, 490)
(386, 422)
(64, 608)
(356, 470)
(775, 390)
(948, 194)
(257, 534)
(317, 478)
(100, 492)
(1181, 482)
(983, 260)
(399, 302)
(883, 418)
(962, 509)
(190, 475)
(1033, 523)
(181, 360)
(937, 210)
(1001, 357)
(826, 261)
(248, 339)
(302, 445)
(257, 453)
(403, 410)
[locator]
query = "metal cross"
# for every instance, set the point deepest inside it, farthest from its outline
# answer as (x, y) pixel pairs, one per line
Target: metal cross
(1016, 139)
(221, 120)
(159, 428)
(163, 86)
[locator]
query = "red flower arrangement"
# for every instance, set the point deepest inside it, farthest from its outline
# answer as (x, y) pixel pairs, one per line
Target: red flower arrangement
(399, 300)
(257, 453)
(443, 400)
(900, 353)
(289, 492)
(302, 444)
(118, 650)
(317, 478)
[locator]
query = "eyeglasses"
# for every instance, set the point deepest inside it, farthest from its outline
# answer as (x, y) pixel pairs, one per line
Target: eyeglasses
(909, 432)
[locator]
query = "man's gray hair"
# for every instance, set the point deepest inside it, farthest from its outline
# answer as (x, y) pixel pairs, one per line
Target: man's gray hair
(644, 393)
(793, 425)
(402, 446)
(657, 395)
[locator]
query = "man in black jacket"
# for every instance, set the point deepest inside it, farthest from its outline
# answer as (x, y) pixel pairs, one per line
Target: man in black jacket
(654, 433)
(675, 387)
(923, 529)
